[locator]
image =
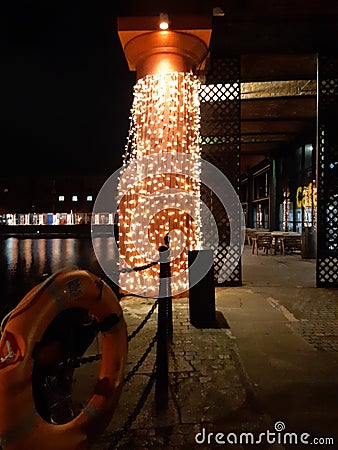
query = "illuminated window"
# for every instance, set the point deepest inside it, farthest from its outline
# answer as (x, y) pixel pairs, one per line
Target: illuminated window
(74, 198)
(89, 198)
(61, 198)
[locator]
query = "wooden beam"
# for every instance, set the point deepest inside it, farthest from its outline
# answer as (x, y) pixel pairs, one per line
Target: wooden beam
(279, 108)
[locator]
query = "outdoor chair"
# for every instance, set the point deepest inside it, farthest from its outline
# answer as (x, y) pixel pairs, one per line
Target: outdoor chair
(249, 233)
(262, 241)
(291, 244)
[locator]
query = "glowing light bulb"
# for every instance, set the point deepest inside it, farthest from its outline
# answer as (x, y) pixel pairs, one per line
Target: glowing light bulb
(164, 25)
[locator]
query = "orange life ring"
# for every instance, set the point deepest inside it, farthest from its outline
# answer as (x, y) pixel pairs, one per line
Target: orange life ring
(21, 426)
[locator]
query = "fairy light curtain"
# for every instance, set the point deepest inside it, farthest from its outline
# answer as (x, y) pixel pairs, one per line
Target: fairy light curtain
(159, 187)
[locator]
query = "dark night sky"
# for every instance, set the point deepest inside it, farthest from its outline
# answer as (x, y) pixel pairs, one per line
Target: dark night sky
(66, 89)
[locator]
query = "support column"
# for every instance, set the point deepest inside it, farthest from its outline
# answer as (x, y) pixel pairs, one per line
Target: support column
(327, 171)
(250, 205)
(273, 213)
(159, 190)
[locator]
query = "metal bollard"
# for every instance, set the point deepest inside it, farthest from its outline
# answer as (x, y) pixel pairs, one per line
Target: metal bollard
(164, 330)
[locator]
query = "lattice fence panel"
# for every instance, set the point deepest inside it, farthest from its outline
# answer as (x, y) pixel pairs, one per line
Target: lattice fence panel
(327, 194)
(220, 142)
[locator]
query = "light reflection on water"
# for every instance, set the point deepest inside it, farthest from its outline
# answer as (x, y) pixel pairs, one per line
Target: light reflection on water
(24, 262)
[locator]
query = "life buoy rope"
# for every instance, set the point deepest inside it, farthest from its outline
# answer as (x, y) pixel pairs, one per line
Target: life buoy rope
(22, 427)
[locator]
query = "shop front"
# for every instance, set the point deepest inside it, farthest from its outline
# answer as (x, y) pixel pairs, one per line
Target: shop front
(296, 195)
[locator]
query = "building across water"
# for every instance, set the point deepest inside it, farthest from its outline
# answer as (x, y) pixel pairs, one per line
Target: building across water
(49, 205)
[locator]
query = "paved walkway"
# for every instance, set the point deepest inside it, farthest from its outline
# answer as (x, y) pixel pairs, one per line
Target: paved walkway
(207, 386)
(290, 280)
(276, 363)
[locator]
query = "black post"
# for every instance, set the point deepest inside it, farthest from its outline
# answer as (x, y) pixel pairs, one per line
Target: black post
(167, 276)
(201, 288)
(162, 376)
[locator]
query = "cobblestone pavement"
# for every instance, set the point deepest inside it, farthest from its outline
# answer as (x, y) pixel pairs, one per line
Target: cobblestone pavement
(317, 314)
(208, 387)
(290, 281)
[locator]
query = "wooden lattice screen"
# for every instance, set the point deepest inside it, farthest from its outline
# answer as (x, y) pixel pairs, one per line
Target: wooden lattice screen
(327, 172)
(220, 141)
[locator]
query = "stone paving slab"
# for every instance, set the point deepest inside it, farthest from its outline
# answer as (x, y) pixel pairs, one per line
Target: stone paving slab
(291, 280)
(208, 387)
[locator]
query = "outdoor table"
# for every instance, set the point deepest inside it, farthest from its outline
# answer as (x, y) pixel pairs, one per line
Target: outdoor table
(278, 236)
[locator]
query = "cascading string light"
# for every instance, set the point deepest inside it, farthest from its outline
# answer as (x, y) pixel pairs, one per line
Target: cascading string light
(160, 196)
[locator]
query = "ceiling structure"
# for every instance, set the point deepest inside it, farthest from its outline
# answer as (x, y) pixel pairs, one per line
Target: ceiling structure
(277, 42)
(276, 115)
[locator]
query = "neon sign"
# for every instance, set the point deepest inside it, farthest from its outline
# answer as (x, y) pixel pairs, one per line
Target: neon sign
(306, 196)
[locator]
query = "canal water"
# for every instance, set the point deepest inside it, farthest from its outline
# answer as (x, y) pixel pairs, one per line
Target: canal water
(24, 262)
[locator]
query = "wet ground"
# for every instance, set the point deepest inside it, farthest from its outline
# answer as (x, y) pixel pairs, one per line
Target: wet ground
(273, 368)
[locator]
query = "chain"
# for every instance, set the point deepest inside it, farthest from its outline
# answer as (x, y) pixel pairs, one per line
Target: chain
(79, 361)
(118, 435)
(144, 321)
(114, 438)
(87, 359)
(141, 360)
(138, 269)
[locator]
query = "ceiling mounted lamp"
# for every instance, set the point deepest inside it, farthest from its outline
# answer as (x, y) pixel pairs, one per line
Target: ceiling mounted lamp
(164, 21)
(183, 47)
